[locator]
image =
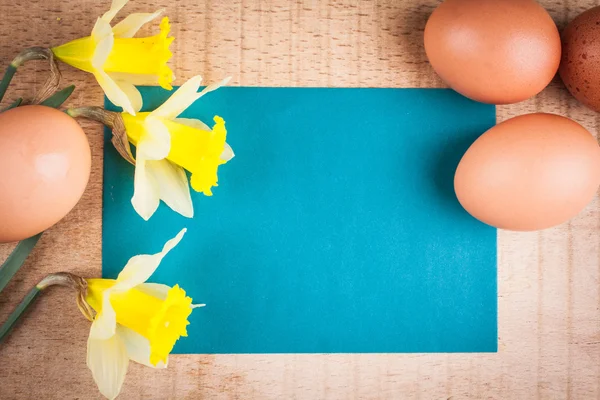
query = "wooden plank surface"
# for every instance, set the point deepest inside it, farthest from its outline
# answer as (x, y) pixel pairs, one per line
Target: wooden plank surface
(549, 282)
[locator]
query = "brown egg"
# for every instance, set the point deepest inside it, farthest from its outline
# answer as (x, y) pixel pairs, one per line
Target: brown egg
(493, 51)
(530, 172)
(44, 168)
(580, 65)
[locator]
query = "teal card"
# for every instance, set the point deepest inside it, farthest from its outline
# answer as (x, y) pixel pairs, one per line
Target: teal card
(335, 229)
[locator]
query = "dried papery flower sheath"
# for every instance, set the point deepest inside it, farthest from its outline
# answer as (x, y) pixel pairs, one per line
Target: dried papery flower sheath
(33, 53)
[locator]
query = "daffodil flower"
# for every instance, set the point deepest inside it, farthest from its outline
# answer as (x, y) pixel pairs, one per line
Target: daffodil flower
(167, 145)
(118, 60)
(134, 320)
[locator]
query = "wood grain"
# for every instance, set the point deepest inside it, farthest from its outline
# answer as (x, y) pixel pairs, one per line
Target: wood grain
(549, 282)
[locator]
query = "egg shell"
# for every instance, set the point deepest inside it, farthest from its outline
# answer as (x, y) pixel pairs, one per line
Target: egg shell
(580, 64)
(493, 51)
(529, 173)
(45, 164)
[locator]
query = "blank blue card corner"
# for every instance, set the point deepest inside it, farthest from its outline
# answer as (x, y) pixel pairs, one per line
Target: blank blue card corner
(335, 229)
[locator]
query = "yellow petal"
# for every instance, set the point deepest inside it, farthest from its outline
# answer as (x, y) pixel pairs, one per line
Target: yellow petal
(137, 347)
(140, 268)
(114, 93)
(183, 97)
(146, 197)
(108, 362)
(173, 186)
(129, 26)
(155, 142)
(115, 7)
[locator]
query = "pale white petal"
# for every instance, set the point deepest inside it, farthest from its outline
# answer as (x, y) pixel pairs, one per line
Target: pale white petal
(101, 30)
(137, 347)
(140, 268)
(105, 323)
(129, 26)
(136, 79)
(157, 290)
(180, 100)
(108, 362)
(104, 41)
(156, 142)
(132, 93)
(115, 7)
(213, 86)
(173, 186)
(146, 196)
(228, 153)
(113, 91)
(194, 123)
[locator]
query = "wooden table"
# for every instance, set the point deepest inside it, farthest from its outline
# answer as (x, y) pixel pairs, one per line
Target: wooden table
(549, 282)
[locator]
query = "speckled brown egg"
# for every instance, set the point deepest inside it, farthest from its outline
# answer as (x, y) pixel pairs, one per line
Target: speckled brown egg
(45, 164)
(580, 64)
(493, 51)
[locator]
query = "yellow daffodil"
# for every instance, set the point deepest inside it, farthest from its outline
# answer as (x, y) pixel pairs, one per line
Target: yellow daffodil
(118, 60)
(167, 145)
(134, 320)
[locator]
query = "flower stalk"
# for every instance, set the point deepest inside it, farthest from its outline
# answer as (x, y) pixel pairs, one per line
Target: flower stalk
(33, 53)
(59, 279)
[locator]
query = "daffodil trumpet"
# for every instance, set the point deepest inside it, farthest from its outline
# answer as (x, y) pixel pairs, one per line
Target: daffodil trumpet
(131, 319)
(118, 60)
(167, 146)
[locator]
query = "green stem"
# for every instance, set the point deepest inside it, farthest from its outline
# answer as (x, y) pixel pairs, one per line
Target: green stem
(58, 279)
(16, 103)
(16, 314)
(8, 75)
(16, 259)
(32, 53)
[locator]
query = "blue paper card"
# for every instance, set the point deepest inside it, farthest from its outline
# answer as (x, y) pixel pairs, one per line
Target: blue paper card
(334, 229)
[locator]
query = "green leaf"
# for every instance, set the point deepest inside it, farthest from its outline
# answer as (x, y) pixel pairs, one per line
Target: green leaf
(8, 75)
(58, 98)
(16, 314)
(16, 103)
(16, 259)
